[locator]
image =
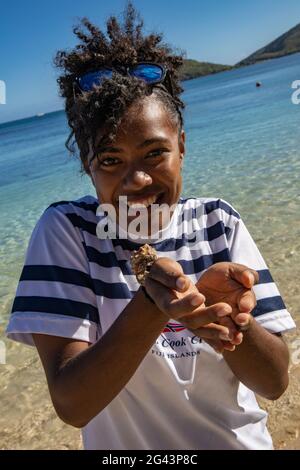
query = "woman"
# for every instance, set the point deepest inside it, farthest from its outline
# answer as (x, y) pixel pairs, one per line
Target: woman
(165, 366)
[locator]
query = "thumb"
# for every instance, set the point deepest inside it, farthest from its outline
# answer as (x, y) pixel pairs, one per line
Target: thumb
(247, 301)
(247, 277)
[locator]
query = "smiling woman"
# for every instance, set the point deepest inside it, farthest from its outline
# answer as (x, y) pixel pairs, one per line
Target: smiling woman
(174, 363)
(144, 165)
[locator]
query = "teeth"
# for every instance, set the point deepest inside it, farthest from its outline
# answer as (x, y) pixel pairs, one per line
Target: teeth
(142, 203)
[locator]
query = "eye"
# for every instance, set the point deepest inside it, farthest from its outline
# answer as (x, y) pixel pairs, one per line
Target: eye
(107, 161)
(157, 152)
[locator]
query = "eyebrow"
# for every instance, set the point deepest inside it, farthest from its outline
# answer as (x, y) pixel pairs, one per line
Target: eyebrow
(107, 148)
(146, 143)
(154, 140)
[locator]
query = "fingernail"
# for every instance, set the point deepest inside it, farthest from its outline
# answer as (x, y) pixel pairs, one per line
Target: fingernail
(239, 338)
(252, 278)
(180, 283)
(196, 300)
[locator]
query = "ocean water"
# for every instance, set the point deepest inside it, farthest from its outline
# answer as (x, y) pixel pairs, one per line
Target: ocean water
(243, 144)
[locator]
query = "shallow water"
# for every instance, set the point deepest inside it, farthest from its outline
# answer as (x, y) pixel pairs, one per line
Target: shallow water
(242, 145)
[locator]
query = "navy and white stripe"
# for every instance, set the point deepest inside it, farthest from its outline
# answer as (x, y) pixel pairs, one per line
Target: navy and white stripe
(70, 273)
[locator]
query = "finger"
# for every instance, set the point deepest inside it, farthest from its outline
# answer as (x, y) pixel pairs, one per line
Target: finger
(228, 346)
(243, 323)
(220, 346)
(169, 303)
(247, 301)
(204, 315)
(169, 273)
(244, 275)
(234, 336)
(240, 318)
(218, 332)
(231, 326)
(237, 338)
(211, 331)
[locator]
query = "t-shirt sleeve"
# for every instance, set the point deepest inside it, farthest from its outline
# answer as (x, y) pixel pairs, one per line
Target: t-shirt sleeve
(55, 294)
(270, 310)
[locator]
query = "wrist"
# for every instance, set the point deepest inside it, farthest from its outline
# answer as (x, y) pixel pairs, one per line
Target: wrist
(148, 305)
(143, 288)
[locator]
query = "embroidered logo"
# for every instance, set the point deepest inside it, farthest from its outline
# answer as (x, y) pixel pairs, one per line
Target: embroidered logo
(173, 328)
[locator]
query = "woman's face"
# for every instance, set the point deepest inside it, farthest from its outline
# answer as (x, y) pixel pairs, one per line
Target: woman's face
(144, 160)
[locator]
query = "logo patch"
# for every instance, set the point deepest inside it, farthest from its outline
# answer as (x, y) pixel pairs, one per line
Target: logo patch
(173, 328)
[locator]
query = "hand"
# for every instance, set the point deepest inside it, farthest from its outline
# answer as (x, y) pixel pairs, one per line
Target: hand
(231, 283)
(213, 334)
(178, 298)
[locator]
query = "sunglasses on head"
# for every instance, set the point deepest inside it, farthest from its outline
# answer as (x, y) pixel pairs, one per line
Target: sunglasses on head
(149, 72)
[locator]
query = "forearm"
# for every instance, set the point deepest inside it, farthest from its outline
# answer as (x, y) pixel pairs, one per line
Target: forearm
(91, 380)
(260, 362)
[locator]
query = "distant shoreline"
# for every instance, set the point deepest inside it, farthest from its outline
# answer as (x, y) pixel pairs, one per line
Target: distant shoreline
(34, 116)
(227, 68)
(263, 59)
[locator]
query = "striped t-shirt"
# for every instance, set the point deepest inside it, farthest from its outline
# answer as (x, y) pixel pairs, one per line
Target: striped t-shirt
(183, 395)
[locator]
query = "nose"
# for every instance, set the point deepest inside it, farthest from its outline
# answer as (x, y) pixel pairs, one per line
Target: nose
(136, 180)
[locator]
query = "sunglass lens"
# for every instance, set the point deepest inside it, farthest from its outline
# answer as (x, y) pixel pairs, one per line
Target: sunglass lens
(147, 72)
(87, 81)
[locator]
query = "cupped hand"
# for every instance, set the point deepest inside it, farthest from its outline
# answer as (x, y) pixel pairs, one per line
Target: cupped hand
(178, 298)
(230, 283)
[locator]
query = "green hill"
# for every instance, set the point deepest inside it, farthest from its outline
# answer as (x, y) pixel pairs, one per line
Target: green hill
(194, 69)
(287, 43)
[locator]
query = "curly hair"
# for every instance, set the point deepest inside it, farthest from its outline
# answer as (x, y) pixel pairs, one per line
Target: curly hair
(105, 105)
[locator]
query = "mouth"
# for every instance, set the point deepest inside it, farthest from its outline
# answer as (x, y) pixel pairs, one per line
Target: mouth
(141, 202)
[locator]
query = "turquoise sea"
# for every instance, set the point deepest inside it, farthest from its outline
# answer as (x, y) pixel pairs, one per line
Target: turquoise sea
(243, 144)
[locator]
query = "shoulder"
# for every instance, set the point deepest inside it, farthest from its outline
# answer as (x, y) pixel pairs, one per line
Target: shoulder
(85, 206)
(86, 202)
(72, 214)
(212, 209)
(62, 219)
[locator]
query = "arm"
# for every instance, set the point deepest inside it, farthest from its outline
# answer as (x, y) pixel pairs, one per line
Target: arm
(261, 362)
(83, 379)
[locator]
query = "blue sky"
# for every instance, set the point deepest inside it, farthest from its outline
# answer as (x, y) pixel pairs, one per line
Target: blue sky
(222, 31)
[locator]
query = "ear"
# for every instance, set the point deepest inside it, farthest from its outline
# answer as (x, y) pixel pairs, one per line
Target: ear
(181, 147)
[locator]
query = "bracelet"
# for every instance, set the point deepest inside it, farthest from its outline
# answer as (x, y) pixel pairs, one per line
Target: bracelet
(147, 295)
